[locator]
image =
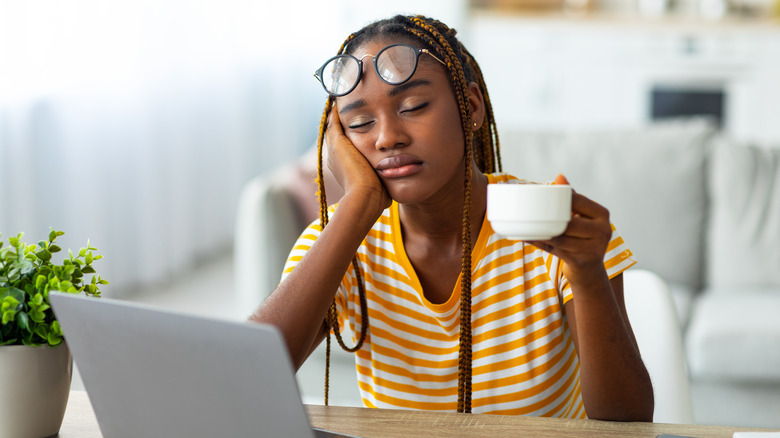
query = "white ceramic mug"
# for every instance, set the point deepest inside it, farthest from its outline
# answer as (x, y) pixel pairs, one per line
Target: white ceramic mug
(529, 211)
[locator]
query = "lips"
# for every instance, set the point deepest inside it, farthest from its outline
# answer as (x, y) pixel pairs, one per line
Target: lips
(399, 166)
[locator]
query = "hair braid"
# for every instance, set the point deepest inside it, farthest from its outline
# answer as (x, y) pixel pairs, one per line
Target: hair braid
(481, 147)
(460, 85)
(331, 322)
(488, 132)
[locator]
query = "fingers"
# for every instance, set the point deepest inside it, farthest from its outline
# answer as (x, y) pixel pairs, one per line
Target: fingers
(583, 206)
(334, 129)
(333, 117)
(560, 179)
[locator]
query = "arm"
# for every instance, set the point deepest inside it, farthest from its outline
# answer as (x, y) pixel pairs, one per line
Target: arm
(615, 383)
(299, 304)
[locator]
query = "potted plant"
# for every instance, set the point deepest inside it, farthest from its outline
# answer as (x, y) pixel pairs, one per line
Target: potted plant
(35, 364)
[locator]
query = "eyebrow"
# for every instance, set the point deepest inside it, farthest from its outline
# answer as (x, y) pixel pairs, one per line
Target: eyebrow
(354, 105)
(398, 89)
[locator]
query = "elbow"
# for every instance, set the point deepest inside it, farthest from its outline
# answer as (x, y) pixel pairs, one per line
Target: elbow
(645, 416)
(641, 407)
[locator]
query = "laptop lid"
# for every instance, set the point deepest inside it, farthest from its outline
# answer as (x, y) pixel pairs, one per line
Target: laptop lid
(150, 372)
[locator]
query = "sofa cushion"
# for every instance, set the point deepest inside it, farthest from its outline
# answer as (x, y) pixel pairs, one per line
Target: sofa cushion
(744, 231)
(735, 336)
(651, 179)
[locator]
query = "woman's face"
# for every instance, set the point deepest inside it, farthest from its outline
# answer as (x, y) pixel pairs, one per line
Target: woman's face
(410, 133)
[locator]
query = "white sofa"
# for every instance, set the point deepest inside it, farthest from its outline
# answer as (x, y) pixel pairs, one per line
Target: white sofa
(701, 211)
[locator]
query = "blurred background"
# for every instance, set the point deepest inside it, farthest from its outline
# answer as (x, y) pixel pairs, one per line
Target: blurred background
(136, 124)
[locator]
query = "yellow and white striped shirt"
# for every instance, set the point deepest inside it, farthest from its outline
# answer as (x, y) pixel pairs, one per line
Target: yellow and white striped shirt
(524, 360)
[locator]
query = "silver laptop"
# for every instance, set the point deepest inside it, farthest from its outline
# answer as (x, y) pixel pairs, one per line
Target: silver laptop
(156, 373)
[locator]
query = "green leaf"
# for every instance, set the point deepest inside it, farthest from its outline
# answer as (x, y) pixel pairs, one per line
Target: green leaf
(9, 304)
(54, 339)
(38, 316)
(26, 266)
(44, 255)
(88, 259)
(54, 248)
(52, 235)
(23, 321)
(42, 330)
(87, 270)
(13, 292)
(8, 316)
(55, 328)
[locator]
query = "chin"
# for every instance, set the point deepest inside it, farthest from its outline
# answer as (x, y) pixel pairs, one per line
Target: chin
(405, 193)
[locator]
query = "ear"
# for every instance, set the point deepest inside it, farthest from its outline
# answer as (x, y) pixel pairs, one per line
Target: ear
(477, 104)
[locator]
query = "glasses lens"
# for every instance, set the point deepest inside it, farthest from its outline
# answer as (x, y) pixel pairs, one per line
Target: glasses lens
(396, 64)
(340, 74)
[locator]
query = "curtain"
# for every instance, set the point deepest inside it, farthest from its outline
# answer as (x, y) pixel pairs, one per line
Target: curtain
(136, 124)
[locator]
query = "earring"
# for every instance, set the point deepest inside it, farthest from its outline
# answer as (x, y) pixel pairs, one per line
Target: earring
(475, 124)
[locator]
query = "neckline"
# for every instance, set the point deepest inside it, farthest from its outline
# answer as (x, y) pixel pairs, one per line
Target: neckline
(403, 259)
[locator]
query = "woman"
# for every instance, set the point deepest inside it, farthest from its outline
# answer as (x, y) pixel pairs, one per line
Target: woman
(407, 252)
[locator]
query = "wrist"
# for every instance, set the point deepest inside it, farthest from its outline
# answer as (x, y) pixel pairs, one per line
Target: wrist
(587, 276)
(370, 200)
(361, 207)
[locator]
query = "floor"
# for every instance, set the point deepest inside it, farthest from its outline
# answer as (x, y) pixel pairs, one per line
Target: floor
(208, 291)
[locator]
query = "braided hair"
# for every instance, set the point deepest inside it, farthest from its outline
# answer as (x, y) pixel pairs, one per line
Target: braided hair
(481, 147)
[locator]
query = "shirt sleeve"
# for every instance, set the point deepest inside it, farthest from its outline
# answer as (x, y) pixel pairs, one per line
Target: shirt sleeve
(617, 259)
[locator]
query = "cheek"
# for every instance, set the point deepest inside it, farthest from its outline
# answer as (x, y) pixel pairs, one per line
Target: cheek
(362, 143)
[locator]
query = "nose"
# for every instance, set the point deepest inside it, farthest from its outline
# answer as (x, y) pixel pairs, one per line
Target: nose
(391, 133)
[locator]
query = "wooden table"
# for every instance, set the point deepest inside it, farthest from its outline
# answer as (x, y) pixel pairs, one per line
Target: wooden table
(80, 422)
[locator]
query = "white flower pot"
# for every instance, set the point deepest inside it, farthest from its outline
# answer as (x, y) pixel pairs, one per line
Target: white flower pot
(35, 384)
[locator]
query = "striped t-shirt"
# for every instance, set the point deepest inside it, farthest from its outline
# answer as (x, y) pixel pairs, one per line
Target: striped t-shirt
(523, 359)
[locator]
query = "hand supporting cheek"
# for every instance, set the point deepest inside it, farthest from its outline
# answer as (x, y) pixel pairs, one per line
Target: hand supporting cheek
(351, 169)
(583, 244)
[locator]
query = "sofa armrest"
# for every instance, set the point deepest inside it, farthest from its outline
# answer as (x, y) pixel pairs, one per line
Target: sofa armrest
(268, 222)
(653, 317)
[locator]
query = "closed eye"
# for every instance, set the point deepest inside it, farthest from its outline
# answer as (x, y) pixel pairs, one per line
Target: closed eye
(360, 125)
(415, 108)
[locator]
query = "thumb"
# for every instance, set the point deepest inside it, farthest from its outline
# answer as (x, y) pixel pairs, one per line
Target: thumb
(560, 179)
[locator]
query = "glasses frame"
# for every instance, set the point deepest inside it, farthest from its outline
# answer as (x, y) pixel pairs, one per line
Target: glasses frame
(417, 52)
